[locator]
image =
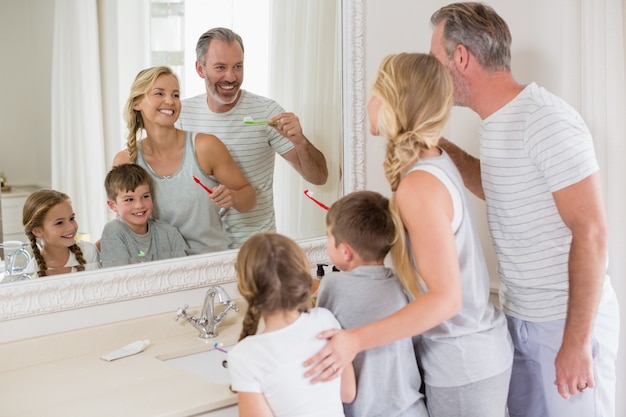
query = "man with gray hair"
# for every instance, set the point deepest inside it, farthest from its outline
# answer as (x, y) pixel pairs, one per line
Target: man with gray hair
(539, 176)
(221, 111)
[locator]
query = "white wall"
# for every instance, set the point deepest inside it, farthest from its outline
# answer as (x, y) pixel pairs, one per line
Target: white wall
(25, 104)
(404, 26)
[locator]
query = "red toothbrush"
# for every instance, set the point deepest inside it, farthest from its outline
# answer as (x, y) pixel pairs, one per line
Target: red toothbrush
(319, 203)
(208, 190)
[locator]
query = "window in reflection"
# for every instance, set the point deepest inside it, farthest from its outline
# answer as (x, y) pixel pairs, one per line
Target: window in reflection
(175, 27)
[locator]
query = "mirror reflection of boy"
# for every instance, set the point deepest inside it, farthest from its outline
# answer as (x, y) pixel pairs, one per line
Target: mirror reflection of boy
(134, 236)
(361, 231)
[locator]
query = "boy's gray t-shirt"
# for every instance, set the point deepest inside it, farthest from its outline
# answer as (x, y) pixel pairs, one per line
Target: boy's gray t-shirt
(388, 378)
(121, 246)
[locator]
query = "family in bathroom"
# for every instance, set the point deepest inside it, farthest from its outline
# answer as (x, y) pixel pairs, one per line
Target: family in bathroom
(406, 327)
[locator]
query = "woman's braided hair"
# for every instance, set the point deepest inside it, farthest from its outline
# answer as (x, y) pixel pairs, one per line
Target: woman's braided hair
(416, 95)
(144, 81)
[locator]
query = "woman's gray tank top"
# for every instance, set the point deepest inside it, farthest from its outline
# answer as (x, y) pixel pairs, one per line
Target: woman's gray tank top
(179, 201)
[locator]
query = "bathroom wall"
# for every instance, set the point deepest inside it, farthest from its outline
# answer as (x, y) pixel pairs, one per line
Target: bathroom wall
(26, 59)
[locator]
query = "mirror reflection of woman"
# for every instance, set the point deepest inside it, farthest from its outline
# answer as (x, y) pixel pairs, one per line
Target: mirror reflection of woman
(173, 157)
(50, 225)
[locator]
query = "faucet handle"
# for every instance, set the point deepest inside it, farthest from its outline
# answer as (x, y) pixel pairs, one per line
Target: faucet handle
(232, 305)
(181, 312)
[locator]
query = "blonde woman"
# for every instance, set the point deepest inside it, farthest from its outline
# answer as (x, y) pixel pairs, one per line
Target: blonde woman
(465, 349)
(173, 158)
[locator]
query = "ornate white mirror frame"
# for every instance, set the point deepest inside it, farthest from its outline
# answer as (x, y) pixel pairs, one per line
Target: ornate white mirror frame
(91, 288)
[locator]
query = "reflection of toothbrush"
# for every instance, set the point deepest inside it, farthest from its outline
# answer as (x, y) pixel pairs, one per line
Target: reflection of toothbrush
(250, 121)
(208, 190)
(319, 203)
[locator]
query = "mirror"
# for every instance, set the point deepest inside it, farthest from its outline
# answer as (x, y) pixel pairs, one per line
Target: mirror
(92, 288)
(33, 48)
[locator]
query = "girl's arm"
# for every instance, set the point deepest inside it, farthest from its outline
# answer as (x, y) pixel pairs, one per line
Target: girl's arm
(348, 385)
(234, 189)
(426, 210)
(253, 404)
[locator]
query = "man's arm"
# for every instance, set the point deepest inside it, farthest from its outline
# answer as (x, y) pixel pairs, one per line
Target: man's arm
(305, 158)
(468, 166)
(582, 209)
(309, 162)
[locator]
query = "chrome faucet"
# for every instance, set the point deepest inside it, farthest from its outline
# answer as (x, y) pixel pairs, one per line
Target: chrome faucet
(208, 322)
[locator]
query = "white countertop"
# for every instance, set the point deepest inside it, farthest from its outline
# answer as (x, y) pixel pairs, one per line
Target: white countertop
(63, 375)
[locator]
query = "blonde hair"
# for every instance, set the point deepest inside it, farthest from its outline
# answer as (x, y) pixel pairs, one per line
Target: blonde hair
(36, 207)
(273, 274)
(416, 95)
(144, 81)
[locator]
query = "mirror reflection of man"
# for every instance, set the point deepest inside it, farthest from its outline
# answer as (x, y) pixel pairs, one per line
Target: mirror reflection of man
(221, 111)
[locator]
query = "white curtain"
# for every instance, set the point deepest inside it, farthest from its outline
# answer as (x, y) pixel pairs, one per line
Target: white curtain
(77, 139)
(603, 81)
(310, 86)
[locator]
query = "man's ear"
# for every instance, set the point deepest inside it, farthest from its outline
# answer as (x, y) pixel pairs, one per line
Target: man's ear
(199, 69)
(461, 57)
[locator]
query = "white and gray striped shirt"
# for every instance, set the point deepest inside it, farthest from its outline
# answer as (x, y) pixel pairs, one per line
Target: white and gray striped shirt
(253, 148)
(535, 145)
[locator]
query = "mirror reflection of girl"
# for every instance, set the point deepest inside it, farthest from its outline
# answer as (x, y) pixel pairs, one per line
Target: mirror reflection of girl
(173, 157)
(273, 277)
(50, 225)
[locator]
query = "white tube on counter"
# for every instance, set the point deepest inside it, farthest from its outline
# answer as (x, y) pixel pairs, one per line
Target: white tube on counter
(128, 350)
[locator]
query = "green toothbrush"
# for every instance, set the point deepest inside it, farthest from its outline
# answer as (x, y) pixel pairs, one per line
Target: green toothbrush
(251, 121)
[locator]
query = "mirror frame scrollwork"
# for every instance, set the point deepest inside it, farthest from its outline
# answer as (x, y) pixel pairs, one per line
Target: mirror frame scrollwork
(91, 288)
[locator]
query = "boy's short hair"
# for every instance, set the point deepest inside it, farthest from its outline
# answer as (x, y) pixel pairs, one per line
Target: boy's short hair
(363, 220)
(126, 177)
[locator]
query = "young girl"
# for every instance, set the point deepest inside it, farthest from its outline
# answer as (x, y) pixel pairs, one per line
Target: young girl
(50, 225)
(273, 277)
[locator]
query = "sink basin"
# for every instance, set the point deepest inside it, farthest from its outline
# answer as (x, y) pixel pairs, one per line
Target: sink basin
(210, 365)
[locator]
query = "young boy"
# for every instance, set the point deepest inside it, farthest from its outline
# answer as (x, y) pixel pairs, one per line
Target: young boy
(134, 236)
(360, 231)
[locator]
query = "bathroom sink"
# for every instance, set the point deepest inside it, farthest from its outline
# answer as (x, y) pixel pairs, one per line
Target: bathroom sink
(210, 365)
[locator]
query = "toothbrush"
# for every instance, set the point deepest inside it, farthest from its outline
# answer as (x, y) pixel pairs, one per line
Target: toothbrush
(216, 346)
(319, 203)
(250, 121)
(208, 190)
